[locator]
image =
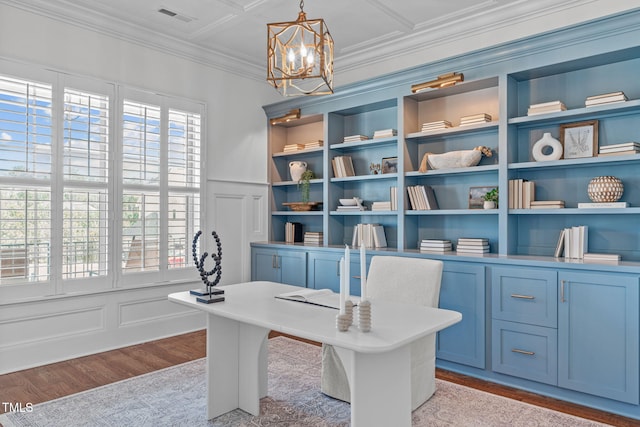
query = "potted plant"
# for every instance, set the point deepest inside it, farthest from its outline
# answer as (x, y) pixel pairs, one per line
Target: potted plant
(304, 184)
(491, 199)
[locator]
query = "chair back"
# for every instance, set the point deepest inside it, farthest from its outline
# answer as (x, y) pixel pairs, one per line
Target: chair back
(405, 280)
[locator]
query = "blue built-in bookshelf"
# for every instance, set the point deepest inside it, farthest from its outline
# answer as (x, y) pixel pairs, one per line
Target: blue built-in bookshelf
(577, 356)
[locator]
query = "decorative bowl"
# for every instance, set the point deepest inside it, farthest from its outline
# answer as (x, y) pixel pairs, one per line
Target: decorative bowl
(300, 206)
(350, 202)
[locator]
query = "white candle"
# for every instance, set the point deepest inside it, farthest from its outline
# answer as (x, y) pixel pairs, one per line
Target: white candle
(342, 287)
(347, 272)
(363, 273)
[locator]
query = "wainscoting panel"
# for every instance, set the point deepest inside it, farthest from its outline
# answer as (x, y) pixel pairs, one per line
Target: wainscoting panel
(237, 211)
(42, 332)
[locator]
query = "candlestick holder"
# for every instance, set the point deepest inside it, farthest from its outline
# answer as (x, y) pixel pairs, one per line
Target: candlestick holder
(208, 295)
(342, 322)
(364, 316)
(348, 310)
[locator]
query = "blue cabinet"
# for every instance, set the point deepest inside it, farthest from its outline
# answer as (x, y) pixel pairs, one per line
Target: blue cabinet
(279, 265)
(324, 271)
(463, 290)
(598, 334)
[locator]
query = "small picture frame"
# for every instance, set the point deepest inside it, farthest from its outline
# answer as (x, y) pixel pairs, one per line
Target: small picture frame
(476, 195)
(579, 139)
(390, 165)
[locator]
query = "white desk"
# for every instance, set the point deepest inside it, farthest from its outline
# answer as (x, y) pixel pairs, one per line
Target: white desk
(237, 331)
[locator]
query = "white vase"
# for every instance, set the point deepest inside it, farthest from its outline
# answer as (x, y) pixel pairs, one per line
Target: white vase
(489, 204)
(296, 169)
(547, 148)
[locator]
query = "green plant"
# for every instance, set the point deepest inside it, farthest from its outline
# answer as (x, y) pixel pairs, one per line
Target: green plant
(304, 184)
(491, 196)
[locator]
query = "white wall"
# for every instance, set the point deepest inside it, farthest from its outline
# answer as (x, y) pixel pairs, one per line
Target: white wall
(39, 332)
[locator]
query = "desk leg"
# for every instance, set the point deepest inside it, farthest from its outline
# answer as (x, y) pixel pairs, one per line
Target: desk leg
(236, 366)
(381, 388)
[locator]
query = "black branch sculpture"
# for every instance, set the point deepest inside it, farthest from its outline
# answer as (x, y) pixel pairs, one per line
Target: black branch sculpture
(209, 295)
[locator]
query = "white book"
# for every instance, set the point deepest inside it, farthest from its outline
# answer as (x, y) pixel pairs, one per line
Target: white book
(603, 205)
(619, 149)
(601, 256)
(629, 144)
(560, 244)
(379, 238)
(547, 104)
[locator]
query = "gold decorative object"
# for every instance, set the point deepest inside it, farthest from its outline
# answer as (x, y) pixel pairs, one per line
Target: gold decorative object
(290, 116)
(444, 80)
(605, 189)
(300, 56)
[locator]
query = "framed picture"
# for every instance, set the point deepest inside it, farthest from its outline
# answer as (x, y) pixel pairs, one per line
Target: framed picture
(579, 139)
(476, 195)
(390, 165)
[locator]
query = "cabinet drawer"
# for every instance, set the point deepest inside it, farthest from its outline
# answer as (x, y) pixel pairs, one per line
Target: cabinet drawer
(525, 295)
(525, 351)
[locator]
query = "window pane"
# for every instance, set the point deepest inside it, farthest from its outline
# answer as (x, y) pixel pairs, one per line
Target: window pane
(85, 234)
(25, 234)
(86, 136)
(140, 232)
(25, 129)
(141, 143)
(184, 149)
(184, 220)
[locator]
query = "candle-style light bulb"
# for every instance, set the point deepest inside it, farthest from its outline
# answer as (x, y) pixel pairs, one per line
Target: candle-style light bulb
(291, 56)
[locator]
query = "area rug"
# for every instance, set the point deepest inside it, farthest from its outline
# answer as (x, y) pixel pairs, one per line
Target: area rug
(176, 397)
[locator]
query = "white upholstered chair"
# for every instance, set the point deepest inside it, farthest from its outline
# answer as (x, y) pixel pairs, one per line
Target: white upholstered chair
(404, 280)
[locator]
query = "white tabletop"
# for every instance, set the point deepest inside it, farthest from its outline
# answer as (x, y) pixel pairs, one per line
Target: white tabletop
(393, 324)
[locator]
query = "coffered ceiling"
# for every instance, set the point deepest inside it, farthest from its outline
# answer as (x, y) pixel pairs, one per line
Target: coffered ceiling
(231, 34)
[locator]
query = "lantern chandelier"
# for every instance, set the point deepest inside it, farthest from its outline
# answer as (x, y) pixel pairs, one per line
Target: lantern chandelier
(300, 56)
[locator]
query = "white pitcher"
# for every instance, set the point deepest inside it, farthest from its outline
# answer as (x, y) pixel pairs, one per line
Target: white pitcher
(296, 169)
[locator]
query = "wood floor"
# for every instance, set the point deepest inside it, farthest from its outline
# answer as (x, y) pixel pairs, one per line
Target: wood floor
(60, 379)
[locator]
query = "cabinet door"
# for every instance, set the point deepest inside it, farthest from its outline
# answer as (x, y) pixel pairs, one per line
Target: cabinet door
(463, 290)
(292, 266)
(598, 334)
(263, 265)
(324, 272)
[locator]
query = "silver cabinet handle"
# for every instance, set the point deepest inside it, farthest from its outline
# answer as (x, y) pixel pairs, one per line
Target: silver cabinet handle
(525, 352)
(522, 296)
(338, 268)
(273, 261)
(562, 291)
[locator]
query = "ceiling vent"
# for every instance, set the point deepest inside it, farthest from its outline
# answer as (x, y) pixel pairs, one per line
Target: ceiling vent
(176, 15)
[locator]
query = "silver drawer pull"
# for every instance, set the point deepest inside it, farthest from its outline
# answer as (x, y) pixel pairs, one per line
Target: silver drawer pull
(522, 296)
(528, 353)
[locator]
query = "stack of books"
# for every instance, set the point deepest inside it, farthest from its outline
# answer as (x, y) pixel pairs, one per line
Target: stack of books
(601, 258)
(313, 144)
(354, 138)
(385, 133)
(573, 242)
(381, 206)
(436, 245)
(292, 232)
(438, 125)
(313, 237)
(369, 235)
(521, 193)
(547, 204)
(342, 166)
(620, 149)
(352, 208)
(422, 197)
(605, 98)
(293, 147)
(475, 119)
(546, 107)
(472, 245)
(393, 195)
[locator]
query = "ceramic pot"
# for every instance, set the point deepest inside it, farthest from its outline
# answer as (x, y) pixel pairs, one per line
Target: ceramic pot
(296, 169)
(489, 204)
(605, 189)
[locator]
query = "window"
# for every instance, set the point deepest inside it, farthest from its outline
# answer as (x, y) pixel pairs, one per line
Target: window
(84, 207)
(25, 180)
